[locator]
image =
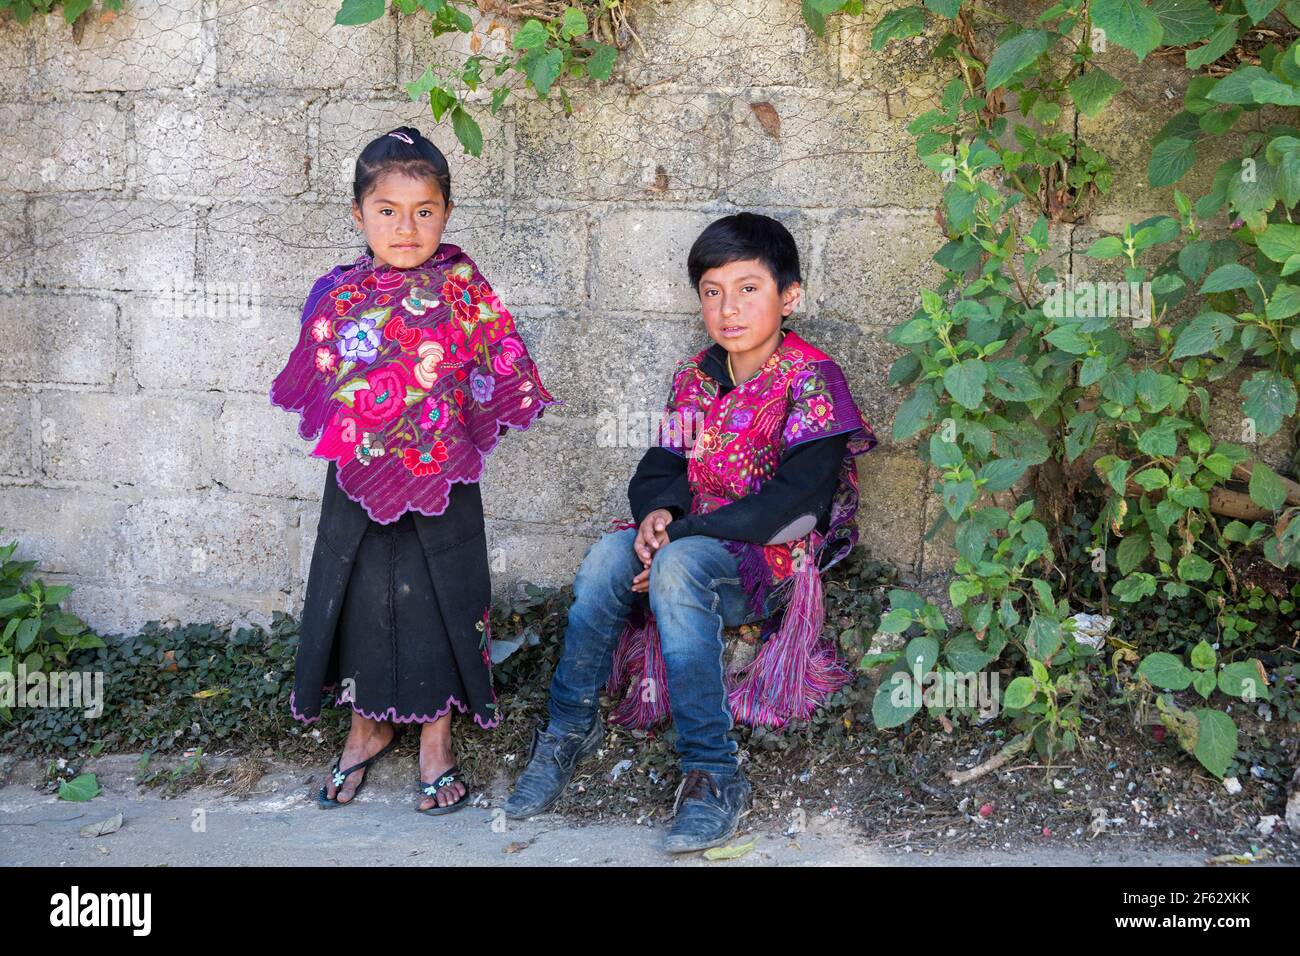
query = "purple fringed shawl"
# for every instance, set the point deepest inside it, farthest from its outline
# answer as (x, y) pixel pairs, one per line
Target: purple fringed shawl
(798, 395)
(408, 377)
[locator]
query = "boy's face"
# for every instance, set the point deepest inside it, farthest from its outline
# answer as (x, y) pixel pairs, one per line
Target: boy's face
(403, 218)
(741, 306)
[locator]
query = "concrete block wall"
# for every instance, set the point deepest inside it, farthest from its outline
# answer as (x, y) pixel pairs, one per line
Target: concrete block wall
(171, 184)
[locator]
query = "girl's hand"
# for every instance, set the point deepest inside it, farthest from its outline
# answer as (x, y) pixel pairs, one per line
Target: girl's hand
(652, 535)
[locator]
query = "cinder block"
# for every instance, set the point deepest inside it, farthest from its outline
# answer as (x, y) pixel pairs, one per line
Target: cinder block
(137, 441)
(58, 338)
(260, 452)
(875, 262)
(531, 257)
(276, 246)
(211, 542)
(296, 44)
(208, 340)
(737, 44)
(147, 45)
(812, 149)
(225, 146)
(656, 146)
(112, 243)
(16, 436)
(66, 531)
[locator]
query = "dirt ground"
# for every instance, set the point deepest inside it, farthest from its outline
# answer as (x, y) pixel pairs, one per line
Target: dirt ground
(1126, 798)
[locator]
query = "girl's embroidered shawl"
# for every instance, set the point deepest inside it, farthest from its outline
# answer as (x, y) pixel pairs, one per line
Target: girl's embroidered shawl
(799, 395)
(408, 377)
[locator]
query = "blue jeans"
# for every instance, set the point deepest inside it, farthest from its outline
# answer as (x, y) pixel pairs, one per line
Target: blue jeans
(694, 591)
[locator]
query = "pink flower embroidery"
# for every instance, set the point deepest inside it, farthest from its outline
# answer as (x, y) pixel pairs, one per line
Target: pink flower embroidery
(426, 369)
(322, 329)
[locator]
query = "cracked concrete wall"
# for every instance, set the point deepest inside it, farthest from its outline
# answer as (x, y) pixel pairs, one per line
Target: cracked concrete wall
(174, 179)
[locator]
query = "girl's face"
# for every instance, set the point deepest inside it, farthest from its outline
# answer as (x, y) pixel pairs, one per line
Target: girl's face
(402, 218)
(741, 307)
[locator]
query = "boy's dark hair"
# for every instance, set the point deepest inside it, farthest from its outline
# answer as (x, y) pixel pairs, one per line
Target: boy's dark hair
(746, 235)
(403, 150)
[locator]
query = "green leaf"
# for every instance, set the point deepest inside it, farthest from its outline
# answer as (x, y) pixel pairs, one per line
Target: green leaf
(1043, 639)
(1129, 24)
(1184, 21)
(354, 12)
(945, 8)
(1235, 87)
(1166, 671)
(1279, 241)
(1093, 90)
(1170, 159)
(573, 23)
(1283, 303)
(1269, 398)
(1020, 693)
(1233, 275)
(1193, 567)
(1221, 41)
(1132, 551)
(25, 636)
(1135, 587)
(601, 63)
(1203, 682)
(74, 8)
(897, 25)
(1160, 441)
(897, 700)
(1244, 679)
(1107, 247)
(467, 131)
(1266, 489)
(531, 34)
(896, 621)
(544, 70)
(914, 413)
(965, 380)
(1002, 473)
(1068, 340)
(1259, 9)
(1203, 656)
(1206, 332)
(1270, 90)
(1216, 741)
(1013, 56)
(80, 788)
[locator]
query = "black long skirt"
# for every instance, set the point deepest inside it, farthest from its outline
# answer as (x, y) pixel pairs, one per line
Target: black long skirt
(400, 630)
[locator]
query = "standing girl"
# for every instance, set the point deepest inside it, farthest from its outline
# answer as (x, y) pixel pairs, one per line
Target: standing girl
(406, 372)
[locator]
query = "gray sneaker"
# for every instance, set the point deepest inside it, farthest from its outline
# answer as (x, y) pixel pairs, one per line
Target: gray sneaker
(710, 809)
(551, 761)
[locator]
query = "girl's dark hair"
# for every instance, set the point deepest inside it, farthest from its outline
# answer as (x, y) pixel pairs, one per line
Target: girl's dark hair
(746, 236)
(402, 150)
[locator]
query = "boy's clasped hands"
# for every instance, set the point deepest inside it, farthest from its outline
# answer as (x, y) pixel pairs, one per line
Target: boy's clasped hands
(650, 537)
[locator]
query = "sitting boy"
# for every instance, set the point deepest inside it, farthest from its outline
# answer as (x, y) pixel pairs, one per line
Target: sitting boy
(752, 489)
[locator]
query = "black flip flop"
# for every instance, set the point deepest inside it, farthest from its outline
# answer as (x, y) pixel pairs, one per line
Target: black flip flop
(326, 803)
(449, 776)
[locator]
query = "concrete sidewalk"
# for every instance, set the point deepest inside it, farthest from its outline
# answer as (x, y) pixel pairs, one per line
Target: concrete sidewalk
(279, 824)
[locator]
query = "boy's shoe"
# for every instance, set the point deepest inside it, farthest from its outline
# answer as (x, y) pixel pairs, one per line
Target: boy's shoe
(551, 761)
(710, 809)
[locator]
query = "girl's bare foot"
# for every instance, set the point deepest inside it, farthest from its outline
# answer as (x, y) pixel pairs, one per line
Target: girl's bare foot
(436, 759)
(366, 738)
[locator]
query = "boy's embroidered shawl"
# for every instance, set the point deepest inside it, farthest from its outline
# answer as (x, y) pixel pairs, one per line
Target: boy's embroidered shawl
(799, 395)
(408, 377)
